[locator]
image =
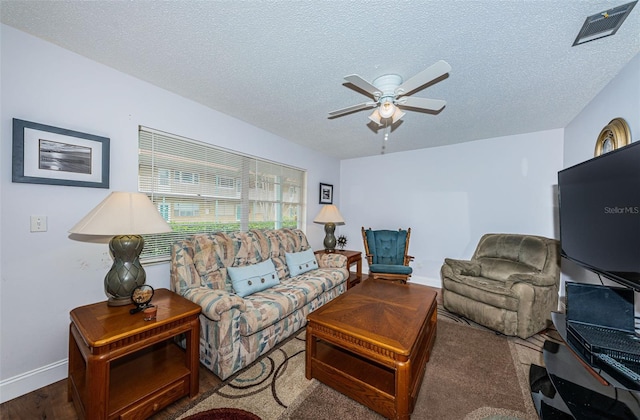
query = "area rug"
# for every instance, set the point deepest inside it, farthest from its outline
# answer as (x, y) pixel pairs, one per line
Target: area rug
(224, 414)
(473, 374)
(266, 388)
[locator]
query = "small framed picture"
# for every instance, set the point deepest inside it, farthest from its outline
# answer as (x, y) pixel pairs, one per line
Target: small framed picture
(43, 154)
(326, 193)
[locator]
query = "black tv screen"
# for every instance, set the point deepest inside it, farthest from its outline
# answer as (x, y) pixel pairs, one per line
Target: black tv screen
(599, 204)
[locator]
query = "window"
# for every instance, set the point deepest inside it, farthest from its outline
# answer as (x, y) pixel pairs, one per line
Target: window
(186, 210)
(163, 177)
(184, 177)
(226, 182)
(198, 187)
(164, 211)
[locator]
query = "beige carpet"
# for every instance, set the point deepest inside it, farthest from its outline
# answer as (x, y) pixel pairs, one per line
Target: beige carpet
(473, 374)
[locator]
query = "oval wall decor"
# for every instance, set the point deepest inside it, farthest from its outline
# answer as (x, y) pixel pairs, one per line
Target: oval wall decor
(613, 136)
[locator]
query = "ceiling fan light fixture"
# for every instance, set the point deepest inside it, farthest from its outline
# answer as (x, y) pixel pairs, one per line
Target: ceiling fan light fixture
(390, 92)
(375, 117)
(397, 116)
(387, 108)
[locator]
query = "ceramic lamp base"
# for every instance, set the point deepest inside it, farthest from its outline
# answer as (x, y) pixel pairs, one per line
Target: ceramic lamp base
(329, 239)
(126, 273)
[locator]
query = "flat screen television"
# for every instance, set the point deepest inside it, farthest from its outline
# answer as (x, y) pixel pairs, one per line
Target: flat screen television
(599, 203)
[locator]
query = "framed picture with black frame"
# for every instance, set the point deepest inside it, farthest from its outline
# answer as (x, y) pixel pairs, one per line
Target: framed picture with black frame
(326, 193)
(43, 154)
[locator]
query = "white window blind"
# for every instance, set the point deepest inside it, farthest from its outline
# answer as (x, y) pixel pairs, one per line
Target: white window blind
(198, 188)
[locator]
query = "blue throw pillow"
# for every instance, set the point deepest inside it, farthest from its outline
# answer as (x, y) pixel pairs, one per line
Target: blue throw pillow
(301, 262)
(253, 278)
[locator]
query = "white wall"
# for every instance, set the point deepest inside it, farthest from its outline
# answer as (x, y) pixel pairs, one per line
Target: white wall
(45, 275)
(619, 99)
(450, 196)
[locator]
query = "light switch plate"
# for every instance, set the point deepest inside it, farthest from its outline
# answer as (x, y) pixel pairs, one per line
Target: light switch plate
(38, 223)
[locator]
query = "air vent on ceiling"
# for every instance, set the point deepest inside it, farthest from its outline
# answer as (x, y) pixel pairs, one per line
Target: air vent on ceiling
(603, 24)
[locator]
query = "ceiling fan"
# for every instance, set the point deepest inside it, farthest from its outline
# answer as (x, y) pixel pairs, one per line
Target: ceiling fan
(390, 93)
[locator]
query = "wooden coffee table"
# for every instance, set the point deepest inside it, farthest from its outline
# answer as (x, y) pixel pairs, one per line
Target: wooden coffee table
(372, 344)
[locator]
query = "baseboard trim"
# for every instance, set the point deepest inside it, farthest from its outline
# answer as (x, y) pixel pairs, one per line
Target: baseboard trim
(35, 379)
(437, 283)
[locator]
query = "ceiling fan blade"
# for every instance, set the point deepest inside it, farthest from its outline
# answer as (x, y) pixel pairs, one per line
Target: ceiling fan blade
(352, 108)
(431, 73)
(422, 103)
(359, 82)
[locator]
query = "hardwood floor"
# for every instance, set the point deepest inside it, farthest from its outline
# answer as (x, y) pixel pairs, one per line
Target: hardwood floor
(50, 402)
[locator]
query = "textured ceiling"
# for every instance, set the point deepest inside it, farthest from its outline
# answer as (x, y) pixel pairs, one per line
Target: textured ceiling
(279, 65)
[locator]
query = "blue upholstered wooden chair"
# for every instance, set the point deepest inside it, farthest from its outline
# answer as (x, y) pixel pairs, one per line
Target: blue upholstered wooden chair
(386, 252)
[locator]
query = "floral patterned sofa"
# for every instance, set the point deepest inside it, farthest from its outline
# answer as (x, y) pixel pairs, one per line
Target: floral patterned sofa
(235, 330)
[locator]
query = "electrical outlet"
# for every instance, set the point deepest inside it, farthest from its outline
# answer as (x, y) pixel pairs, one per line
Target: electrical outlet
(38, 223)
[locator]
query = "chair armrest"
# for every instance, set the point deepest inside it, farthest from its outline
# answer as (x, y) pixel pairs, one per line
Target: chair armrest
(331, 260)
(214, 302)
(463, 267)
(407, 259)
(534, 279)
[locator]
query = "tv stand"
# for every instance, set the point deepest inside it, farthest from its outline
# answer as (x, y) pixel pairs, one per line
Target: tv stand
(570, 388)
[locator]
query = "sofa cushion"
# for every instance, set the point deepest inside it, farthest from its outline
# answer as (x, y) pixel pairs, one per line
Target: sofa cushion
(253, 278)
(212, 253)
(301, 262)
(267, 307)
(271, 244)
(276, 243)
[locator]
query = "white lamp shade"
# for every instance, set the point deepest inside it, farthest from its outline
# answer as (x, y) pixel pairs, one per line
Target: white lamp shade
(122, 213)
(329, 214)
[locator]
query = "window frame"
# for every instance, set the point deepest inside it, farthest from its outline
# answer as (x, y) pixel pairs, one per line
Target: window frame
(211, 171)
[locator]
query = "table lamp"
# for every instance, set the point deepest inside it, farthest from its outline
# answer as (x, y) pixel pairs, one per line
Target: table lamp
(124, 216)
(329, 216)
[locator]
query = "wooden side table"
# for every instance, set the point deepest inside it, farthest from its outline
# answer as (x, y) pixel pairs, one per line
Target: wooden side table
(123, 367)
(353, 257)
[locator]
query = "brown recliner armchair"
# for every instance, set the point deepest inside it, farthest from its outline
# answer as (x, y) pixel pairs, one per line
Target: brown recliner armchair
(510, 284)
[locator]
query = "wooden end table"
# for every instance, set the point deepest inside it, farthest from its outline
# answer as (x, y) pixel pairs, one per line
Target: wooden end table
(353, 257)
(372, 344)
(122, 367)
